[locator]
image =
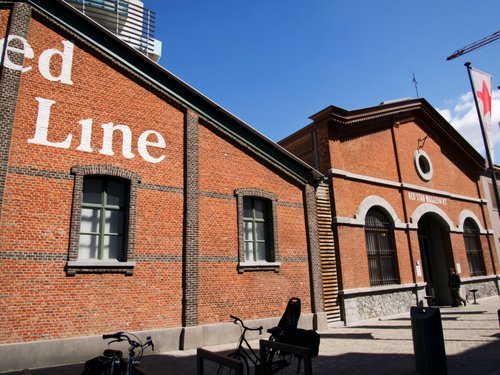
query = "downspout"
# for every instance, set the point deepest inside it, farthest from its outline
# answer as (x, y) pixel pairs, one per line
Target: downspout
(403, 201)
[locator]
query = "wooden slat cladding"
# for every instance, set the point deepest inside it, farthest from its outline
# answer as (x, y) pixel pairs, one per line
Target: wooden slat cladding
(327, 254)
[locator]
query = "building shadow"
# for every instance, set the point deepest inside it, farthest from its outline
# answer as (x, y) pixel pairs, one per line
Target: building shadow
(356, 336)
(380, 327)
(463, 312)
(480, 360)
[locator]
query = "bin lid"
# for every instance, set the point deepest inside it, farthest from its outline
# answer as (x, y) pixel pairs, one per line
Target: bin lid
(424, 312)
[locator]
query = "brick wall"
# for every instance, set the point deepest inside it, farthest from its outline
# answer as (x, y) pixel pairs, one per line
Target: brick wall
(372, 158)
(39, 300)
(42, 302)
(452, 170)
(362, 149)
(225, 167)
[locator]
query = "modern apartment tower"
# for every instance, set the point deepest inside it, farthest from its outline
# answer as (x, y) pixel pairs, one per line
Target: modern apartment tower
(127, 19)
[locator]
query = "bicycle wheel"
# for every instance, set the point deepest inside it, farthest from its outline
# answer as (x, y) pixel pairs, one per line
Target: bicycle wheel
(136, 370)
(225, 370)
(282, 363)
(98, 366)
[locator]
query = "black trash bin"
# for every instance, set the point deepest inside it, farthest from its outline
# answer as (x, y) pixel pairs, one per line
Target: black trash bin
(428, 340)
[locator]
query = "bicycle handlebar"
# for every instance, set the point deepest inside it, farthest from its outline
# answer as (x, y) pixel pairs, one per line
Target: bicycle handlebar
(237, 320)
(116, 336)
(149, 342)
(120, 336)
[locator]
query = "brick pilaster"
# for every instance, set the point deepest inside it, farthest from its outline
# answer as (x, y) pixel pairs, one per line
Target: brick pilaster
(18, 24)
(191, 223)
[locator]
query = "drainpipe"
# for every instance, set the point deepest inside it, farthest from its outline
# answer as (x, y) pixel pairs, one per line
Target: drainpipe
(403, 201)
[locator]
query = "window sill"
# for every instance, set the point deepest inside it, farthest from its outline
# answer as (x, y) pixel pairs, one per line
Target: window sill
(95, 266)
(471, 279)
(259, 266)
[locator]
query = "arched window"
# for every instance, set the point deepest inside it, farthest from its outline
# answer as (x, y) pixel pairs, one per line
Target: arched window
(473, 248)
(381, 248)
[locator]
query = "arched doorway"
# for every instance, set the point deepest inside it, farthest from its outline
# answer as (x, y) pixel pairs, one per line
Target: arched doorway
(436, 255)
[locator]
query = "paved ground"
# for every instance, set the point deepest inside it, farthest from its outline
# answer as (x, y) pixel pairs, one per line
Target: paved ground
(382, 346)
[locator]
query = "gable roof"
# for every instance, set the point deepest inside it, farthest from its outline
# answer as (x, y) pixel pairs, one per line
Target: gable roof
(107, 42)
(420, 108)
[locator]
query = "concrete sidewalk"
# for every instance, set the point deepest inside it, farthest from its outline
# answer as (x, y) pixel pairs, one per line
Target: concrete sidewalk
(381, 346)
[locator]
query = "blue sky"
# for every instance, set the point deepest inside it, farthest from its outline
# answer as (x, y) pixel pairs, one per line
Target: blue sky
(275, 63)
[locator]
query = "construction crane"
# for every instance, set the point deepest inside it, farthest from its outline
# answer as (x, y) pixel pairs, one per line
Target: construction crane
(475, 45)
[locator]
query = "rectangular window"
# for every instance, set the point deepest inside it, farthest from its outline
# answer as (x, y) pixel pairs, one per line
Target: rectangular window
(103, 218)
(257, 231)
(102, 236)
(474, 257)
(256, 224)
(492, 196)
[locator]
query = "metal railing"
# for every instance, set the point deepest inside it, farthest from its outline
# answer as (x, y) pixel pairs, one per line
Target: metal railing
(132, 23)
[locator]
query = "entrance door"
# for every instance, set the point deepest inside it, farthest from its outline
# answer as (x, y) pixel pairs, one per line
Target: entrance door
(435, 250)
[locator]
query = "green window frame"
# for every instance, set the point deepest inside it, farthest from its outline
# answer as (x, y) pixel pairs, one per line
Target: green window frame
(103, 217)
(257, 230)
(256, 224)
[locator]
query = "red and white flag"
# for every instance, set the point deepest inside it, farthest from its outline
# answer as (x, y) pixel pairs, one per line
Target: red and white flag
(481, 86)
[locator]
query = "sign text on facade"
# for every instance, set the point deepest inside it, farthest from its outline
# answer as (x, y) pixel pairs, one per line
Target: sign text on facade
(427, 198)
(17, 46)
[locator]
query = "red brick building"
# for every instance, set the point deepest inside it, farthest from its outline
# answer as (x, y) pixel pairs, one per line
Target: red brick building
(131, 202)
(408, 203)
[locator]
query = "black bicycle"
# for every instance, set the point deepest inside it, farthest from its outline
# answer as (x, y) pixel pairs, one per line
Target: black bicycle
(111, 362)
(276, 361)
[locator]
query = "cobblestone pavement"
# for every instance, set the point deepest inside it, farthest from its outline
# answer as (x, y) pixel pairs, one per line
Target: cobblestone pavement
(381, 346)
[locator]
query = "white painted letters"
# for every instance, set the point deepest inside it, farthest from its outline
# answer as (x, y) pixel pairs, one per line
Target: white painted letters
(143, 143)
(86, 138)
(427, 198)
(17, 48)
(107, 140)
(42, 126)
(41, 136)
(43, 62)
(26, 51)
(67, 62)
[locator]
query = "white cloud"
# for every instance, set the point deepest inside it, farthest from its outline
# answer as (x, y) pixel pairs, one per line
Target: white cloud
(462, 115)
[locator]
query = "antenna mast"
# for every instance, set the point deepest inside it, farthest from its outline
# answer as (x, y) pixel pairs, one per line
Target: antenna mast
(415, 83)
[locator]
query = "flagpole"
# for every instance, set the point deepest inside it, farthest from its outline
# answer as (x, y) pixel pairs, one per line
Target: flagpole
(486, 146)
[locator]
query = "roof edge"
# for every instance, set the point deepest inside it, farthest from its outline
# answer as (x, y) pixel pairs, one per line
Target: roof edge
(164, 79)
(387, 109)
